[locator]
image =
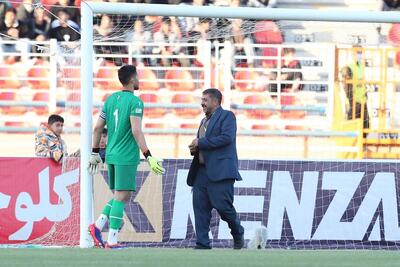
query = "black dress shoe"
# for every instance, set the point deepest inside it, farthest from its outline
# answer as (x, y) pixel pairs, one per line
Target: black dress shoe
(238, 243)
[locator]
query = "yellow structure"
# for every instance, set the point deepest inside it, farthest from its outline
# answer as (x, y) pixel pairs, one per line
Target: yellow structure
(382, 75)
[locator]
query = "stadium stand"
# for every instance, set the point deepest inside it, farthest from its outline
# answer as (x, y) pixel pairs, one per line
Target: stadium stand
(107, 77)
(247, 80)
(11, 110)
(42, 97)
(9, 78)
(179, 80)
(150, 112)
(259, 114)
(148, 80)
(190, 113)
(39, 75)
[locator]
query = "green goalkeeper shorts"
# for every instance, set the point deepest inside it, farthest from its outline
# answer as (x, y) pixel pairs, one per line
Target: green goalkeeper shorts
(122, 177)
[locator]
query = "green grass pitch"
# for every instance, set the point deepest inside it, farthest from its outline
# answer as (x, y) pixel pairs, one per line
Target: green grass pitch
(76, 257)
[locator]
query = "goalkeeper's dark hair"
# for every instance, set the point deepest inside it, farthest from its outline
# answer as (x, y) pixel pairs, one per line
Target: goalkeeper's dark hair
(125, 73)
(54, 118)
(214, 93)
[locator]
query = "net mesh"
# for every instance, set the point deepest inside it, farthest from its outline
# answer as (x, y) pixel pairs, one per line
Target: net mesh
(286, 81)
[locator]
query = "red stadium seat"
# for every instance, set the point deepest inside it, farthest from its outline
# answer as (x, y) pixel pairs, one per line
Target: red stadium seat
(258, 114)
(269, 52)
(397, 58)
(189, 126)
(14, 124)
(291, 100)
(263, 127)
(151, 80)
(184, 80)
(394, 34)
(248, 81)
(12, 110)
(71, 78)
(109, 77)
(152, 112)
(8, 78)
(41, 96)
(39, 75)
(154, 125)
(267, 32)
(74, 98)
(185, 112)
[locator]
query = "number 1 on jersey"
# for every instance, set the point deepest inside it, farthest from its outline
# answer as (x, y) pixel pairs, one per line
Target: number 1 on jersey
(116, 119)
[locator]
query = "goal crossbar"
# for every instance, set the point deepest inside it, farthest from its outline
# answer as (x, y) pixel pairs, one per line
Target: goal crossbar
(88, 9)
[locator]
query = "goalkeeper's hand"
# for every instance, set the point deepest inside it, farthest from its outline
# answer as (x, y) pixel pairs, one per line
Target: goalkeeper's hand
(94, 163)
(155, 165)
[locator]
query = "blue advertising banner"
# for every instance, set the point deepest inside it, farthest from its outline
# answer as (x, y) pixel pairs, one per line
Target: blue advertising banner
(303, 204)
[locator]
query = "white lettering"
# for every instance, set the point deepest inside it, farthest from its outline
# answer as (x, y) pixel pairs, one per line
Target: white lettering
(330, 227)
(300, 212)
(4, 200)
(26, 211)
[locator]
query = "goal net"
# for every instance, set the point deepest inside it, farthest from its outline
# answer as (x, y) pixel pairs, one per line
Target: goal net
(300, 89)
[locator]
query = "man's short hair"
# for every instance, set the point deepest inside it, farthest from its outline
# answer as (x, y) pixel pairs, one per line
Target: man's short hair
(125, 73)
(55, 118)
(105, 132)
(11, 9)
(214, 93)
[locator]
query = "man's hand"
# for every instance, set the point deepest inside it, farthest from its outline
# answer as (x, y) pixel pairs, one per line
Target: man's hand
(193, 147)
(155, 165)
(94, 163)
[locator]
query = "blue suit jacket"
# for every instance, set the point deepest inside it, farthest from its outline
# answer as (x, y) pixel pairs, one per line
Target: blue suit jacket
(218, 148)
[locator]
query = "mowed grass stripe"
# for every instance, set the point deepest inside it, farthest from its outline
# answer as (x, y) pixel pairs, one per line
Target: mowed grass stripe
(60, 257)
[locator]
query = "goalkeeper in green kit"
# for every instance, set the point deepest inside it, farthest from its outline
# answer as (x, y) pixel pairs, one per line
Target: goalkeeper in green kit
(122, 114)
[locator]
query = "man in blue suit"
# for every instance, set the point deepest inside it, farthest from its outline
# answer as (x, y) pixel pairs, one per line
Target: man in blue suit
(214, 170)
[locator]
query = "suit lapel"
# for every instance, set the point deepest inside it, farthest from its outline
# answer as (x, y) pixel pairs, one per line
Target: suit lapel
(198, 130)
(213, 120)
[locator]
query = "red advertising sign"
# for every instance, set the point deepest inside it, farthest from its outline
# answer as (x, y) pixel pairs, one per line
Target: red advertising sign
(39, 204)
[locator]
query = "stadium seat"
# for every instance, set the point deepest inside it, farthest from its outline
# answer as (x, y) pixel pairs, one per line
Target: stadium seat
(73, 98)
(151, 83)
(41, 96)
(8, 78)
(109, 77)
(71, 78)
(263, 127)
(152, 112)
(397, 58)
(248, 81)
(185, 112)
(189, 126)
(269, 52)
(154, 126)
(184, 80)
(14, 124)
(291, 100)
(267, 32)
(11, 110)
(257, 113)
(39, 75)
(394, 34)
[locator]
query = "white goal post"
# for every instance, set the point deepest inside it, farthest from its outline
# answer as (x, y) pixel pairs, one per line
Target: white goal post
(88, 9)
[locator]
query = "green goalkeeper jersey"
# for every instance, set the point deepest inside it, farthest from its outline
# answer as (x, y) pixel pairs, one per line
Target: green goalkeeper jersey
(122, 148)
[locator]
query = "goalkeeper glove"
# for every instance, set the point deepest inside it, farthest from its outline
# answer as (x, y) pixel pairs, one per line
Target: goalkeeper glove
(94, 162)
(155, 164)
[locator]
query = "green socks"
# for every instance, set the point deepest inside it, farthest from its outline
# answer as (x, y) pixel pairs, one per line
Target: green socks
(107, 208)
(116, 214)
